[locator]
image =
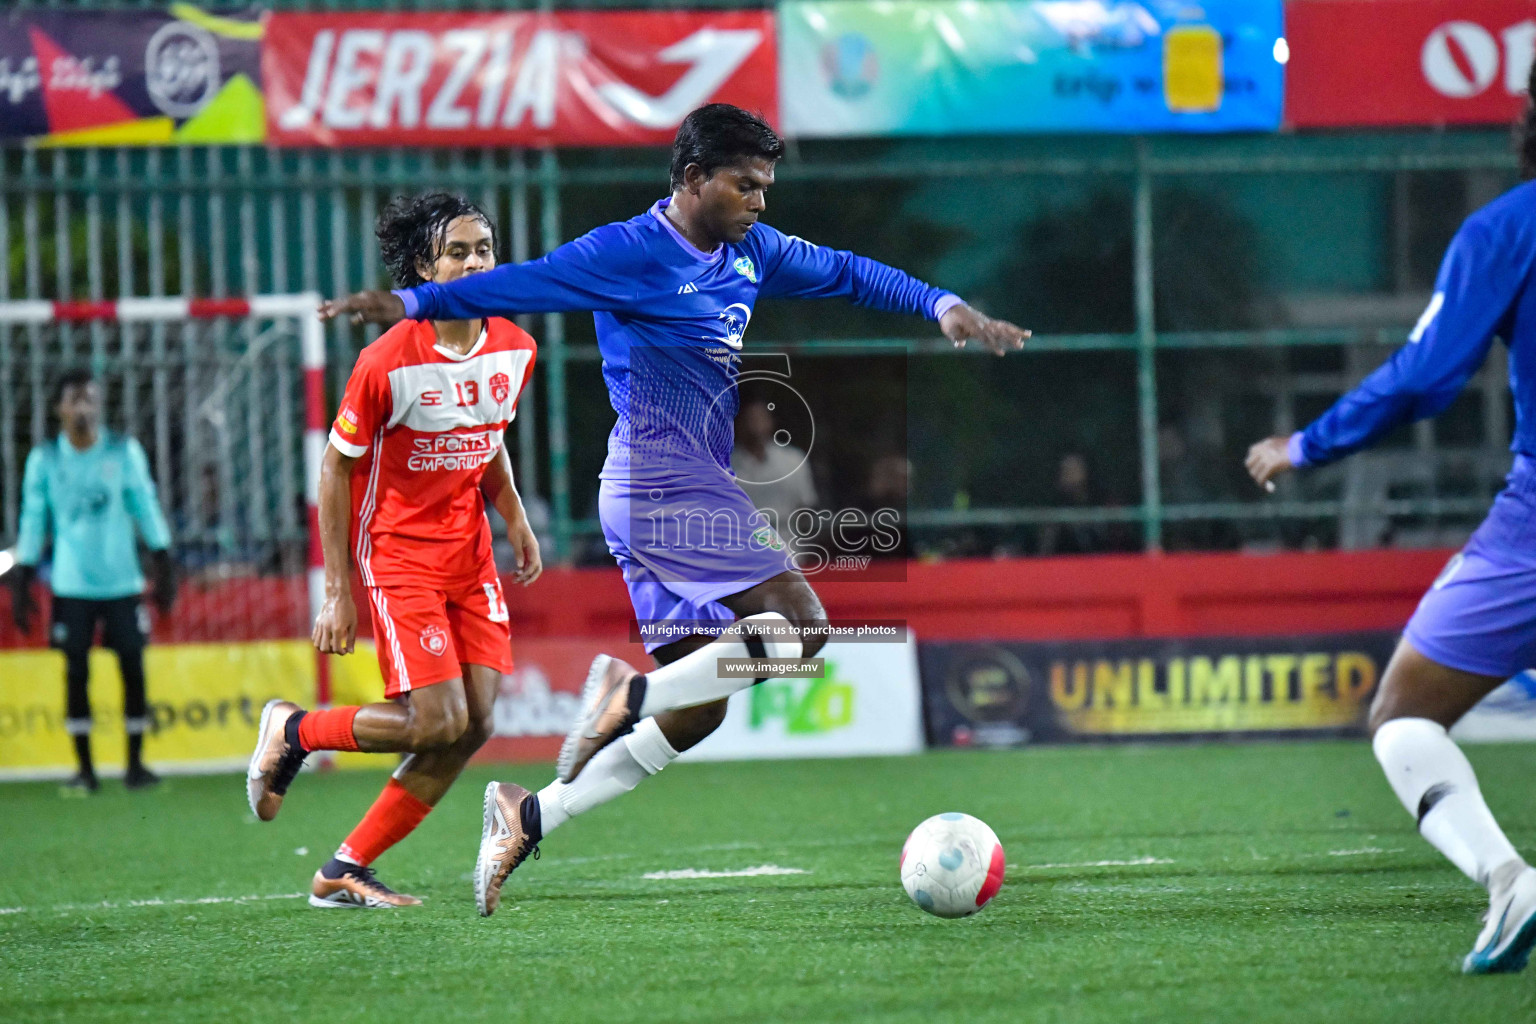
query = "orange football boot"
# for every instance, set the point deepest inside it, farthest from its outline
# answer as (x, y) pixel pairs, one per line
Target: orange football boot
(610, 702)
(354, 887)
(510, 835)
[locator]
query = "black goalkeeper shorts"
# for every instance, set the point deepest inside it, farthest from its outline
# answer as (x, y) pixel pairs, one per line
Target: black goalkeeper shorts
(124, 624)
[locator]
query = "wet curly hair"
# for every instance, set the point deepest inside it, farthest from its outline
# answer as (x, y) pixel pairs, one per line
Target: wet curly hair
(411, 229)
(1525, 131)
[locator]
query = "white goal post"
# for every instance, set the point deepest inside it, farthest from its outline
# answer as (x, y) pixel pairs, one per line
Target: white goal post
(199, 378)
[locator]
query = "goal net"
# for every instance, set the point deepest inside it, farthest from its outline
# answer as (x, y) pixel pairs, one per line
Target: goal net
(227, 399)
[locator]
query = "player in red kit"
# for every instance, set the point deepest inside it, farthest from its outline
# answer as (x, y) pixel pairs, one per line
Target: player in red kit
(415, 454)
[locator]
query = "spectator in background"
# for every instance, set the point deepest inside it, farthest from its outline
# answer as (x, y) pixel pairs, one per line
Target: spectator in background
(1191, 473)
(1076, 489)
(213, 546)
(90, 488)
(881, 531)
(773, 472)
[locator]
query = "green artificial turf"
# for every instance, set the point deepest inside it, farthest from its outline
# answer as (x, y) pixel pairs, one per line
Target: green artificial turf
(1289, 886)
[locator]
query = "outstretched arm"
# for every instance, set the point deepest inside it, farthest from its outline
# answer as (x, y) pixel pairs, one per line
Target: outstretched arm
(798, 269)
(598, 271)
(1479, 280)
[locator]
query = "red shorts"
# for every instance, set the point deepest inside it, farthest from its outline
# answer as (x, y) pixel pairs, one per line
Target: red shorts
(423, 634)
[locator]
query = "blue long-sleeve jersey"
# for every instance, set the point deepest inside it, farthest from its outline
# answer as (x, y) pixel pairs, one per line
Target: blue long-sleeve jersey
(671, 319)
(1483, 291)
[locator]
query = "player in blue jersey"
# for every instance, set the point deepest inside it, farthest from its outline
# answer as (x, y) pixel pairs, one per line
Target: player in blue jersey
(90, 488)
(673, 291)
(1476, 626)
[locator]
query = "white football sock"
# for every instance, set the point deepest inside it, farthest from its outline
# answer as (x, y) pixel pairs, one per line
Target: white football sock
(695, 678)
(613, 771)
(1434, 780)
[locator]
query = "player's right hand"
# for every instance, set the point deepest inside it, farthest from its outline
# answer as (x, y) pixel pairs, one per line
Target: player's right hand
(365, 308)
(335, 629)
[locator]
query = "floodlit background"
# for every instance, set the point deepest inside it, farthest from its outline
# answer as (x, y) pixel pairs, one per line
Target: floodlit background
(1216, 217)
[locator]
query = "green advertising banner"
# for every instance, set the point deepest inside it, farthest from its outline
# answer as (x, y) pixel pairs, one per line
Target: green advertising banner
(949, 67)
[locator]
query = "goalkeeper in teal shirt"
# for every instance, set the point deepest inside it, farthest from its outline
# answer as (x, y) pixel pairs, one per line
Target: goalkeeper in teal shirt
(89, 489)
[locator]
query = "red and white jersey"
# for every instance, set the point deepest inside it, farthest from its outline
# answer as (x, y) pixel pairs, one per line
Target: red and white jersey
(424, 422)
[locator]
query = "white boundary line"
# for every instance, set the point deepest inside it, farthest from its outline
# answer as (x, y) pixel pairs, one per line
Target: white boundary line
(688, 873)
(68, 908)
(680, 874)
(1138, 862)
(1363, 851)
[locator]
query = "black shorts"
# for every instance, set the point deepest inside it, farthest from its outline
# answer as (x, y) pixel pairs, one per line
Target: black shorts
(124, 624)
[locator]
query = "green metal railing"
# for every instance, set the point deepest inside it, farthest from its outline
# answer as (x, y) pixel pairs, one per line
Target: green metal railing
(247, 219)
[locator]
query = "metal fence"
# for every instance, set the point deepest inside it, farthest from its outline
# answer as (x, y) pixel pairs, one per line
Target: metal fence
(95, 223)
(219, 408)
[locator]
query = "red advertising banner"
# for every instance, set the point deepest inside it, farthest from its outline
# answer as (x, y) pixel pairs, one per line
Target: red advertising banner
(1407, 62)
(570, 79)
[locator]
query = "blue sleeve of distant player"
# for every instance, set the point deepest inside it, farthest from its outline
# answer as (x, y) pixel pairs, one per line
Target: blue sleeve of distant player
(143, 504)
(796, 269)
(34, 509)
(1479, 280)
(601, 270)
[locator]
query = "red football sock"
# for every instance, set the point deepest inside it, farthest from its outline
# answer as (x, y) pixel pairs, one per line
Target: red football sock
(393, 816)
(328, 730)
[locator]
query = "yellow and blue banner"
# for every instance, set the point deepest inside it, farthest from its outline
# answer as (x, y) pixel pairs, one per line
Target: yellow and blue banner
(1010, 694)
(956, 67)
(205, 702)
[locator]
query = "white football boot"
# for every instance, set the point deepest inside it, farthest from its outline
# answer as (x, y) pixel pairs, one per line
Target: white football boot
(1510, 929)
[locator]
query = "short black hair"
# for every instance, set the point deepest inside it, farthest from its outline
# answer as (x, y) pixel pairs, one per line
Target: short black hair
(718, 135)
(73, 378)
(412, 228)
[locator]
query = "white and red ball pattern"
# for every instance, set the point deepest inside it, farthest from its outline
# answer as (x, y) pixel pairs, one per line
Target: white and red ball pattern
(952, 864)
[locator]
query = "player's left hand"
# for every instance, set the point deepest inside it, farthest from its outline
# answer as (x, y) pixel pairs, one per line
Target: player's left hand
(1268, 459)
(526, 546)
(164, 588)
(962, 323)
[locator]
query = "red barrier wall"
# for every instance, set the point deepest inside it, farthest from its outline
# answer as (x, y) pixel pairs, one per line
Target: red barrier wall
(1159, 595)
(1104, 597)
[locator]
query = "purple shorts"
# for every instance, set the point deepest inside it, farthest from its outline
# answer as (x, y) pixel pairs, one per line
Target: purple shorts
(684, 543)
(1480, 614)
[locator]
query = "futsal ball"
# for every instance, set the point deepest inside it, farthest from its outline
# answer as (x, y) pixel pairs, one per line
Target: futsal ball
(952, 864)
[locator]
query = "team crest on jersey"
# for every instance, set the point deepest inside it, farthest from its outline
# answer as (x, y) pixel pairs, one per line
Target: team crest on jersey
(764, 537)
(434, 640)
(745, 268)
(736, 317)
(501, 387)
